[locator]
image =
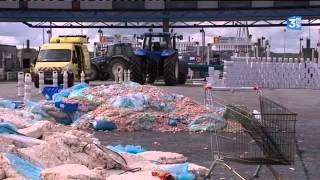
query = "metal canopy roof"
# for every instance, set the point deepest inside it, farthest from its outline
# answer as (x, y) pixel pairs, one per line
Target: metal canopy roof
(178, 15)
(255, 17)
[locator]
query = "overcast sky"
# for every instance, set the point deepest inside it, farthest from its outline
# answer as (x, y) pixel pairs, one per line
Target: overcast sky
(18, 33)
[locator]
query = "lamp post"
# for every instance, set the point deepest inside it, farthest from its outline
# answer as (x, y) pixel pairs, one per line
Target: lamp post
(49, 32)
(300, 52)
(284, 43)
(203, 44)
(100, 34)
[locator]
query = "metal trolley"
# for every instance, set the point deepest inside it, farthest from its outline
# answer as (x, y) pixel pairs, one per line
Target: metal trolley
(267, 138)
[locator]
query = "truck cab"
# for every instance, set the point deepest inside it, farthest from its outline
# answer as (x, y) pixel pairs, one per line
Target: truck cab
(63, 53)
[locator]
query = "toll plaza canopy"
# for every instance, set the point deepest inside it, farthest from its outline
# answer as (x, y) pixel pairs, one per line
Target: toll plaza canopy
(155, 10)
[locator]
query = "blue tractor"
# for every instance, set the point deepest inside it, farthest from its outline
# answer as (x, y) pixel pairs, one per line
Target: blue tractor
(159, 58)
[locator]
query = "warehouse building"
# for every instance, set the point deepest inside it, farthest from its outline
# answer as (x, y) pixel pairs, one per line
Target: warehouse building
(8, 60)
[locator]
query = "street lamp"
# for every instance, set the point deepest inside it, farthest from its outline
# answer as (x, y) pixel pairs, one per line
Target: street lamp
(300, 52)
(203, 44)
(49, 32)
(100, 34)
(284, 43)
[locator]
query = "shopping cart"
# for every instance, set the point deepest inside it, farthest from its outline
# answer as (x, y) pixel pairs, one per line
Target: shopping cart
(265, 138)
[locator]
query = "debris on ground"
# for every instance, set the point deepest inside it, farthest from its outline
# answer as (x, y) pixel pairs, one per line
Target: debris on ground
(133, 149)
(132, 107)
(163, 157)
(40, 140)
(75, 154)
(70, 171)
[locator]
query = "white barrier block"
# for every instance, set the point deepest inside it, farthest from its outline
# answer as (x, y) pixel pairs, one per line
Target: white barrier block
(55, 78)
(65, 79)
(20, 83)
(82, 77)
(41, 81)
(27, 86)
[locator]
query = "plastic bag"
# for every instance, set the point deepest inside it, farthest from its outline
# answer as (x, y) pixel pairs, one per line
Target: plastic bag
(76, 90)
(207, 122)
(8, 128)
(35, 108)
(7, 104)
(145, 121)
(137, 100)
(23, 167)
(130, 84)
(59, 96)
(179, 171)
(133, 149)
(172, 122)
(160, 106)
(104, 125)
(80, 86)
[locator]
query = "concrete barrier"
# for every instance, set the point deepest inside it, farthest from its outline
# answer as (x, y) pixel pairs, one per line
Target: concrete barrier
(55, 78)
(27, 86)
(41, 81)
(129, 75)
(65, 79)
(82, 77)
(20, 83)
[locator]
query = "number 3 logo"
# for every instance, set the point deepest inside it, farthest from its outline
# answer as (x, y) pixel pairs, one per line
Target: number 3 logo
(292, 23)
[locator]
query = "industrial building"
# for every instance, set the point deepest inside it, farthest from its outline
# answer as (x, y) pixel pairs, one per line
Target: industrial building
(26, 56)
(8, 60)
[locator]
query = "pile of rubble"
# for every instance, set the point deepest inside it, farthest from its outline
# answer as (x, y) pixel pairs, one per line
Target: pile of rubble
(132, 107)
(47, 150)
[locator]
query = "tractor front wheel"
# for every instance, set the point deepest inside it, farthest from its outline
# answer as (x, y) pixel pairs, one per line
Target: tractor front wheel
(93, 73)
(171, 70)
(137, 73)
(183, 72)
(152, 72)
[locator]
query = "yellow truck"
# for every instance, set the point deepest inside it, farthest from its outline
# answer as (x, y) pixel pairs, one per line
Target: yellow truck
(63, 53)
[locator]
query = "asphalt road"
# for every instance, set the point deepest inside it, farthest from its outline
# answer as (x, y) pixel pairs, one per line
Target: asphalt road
(197, 146)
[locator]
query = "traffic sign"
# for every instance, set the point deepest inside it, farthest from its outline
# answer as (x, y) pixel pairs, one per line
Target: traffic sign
(294, 23)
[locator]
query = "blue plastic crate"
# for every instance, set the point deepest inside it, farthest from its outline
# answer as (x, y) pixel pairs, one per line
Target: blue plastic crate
(49, 91)
(67, 107)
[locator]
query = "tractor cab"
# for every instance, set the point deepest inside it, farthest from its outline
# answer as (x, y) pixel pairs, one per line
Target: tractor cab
(159, 41)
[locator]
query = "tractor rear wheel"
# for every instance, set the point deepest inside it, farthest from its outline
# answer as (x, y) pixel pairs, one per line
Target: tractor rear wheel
(137, 74)
(117, 65)
(171, 70)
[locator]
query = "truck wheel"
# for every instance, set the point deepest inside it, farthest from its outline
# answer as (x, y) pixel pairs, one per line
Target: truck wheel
(115, 66)
(93, 73)
(70, 79)
(171, 70)
(137, 74)
(36, 81)
(183, 72)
